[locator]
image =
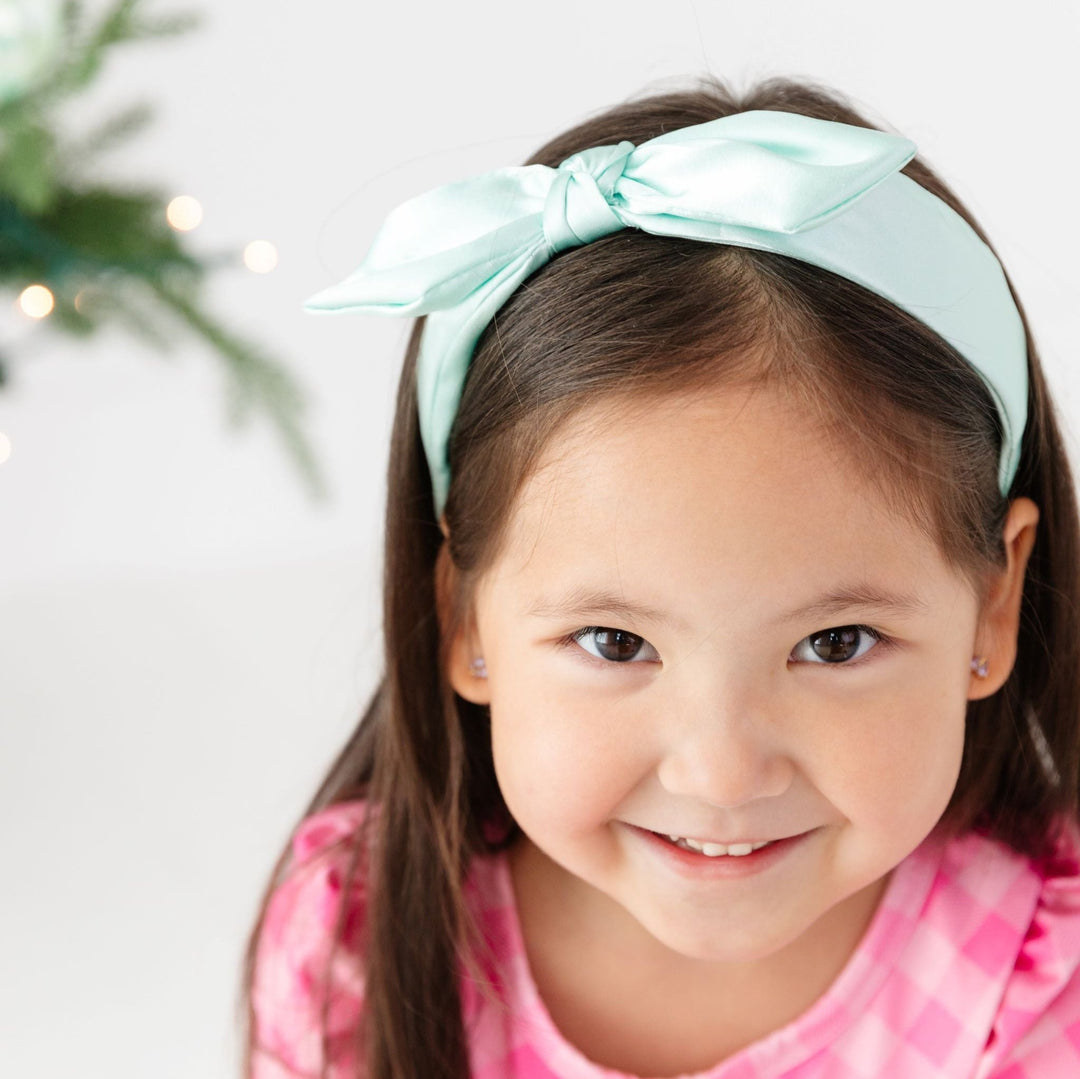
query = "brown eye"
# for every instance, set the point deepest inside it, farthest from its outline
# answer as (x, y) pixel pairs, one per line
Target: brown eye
(836, 645)
(615, 645)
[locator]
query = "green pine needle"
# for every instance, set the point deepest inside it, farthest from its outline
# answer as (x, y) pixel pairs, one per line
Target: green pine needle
(257, 382)
(84, 48)
(106, 136)
(28, 166)
(165, 26)
(117, 302)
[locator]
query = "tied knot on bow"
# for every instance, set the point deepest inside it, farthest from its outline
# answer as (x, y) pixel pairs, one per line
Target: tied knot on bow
(578, 208)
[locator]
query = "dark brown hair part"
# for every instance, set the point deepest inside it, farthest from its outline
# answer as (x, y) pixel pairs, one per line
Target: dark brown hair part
(633, 314)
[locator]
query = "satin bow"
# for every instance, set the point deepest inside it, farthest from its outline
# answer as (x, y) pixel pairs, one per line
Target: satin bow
(826, 193)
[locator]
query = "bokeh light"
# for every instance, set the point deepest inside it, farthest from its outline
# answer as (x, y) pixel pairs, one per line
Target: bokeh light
(184, 213)
(36, 301)
(260, 256)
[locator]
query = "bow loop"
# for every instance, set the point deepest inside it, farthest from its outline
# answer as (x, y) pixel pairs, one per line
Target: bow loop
(769, 171)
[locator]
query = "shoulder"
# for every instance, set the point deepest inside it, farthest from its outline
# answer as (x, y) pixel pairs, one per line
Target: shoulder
(308, 957)
(1036, 1029)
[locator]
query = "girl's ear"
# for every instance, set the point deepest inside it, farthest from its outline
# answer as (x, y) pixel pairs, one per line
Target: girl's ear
(467, 678)
(999, 619)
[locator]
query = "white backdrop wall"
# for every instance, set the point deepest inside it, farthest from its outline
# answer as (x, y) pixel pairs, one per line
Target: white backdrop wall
(185, 636)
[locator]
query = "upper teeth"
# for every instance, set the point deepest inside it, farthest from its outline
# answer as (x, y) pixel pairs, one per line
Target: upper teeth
(714, 850)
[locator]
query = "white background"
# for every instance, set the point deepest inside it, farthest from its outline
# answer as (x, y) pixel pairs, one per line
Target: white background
(185, 636)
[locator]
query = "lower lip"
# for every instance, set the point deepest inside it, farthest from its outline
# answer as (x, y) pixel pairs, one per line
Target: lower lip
(690, 863)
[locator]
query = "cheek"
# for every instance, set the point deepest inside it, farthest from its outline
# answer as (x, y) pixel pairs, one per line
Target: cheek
(560, 764)
(896, 763)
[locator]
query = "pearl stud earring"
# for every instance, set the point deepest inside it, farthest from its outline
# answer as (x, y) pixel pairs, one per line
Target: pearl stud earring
(477, 667)
(980, 666)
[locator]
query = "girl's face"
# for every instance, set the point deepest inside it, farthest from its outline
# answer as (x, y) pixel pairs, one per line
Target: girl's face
(705, 623)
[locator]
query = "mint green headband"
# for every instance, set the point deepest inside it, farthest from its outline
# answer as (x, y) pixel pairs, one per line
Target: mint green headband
(822, 192)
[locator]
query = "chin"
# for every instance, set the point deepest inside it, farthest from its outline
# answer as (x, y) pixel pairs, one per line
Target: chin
(725, 943)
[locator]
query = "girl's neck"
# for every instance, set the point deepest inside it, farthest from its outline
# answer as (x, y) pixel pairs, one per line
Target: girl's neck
(628, 1002)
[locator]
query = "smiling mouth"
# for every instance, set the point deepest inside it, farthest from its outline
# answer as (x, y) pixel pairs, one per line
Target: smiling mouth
(715, 850)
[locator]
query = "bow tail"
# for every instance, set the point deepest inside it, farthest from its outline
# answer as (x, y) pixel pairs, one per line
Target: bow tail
(446, 349)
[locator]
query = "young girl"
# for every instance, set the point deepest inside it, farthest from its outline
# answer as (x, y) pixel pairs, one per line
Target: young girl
(730, 717)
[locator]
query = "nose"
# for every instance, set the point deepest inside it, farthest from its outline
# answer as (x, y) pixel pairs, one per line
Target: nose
(725, 748)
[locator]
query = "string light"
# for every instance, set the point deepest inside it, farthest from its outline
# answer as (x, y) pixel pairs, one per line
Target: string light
(36, 301)
(260, 256)
(5, 447)
(184, 213)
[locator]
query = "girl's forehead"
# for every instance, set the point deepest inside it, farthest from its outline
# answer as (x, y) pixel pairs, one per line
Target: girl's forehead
(702, 450)
(733, 484)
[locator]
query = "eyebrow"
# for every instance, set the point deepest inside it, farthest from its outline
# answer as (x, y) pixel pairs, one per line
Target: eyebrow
(595, 604)
(862, 596)
(589, 603)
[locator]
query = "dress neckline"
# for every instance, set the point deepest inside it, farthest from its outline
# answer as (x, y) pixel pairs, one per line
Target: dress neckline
(837, 1008)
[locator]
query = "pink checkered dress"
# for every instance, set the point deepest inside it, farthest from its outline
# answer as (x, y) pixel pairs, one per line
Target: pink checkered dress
(968, 969)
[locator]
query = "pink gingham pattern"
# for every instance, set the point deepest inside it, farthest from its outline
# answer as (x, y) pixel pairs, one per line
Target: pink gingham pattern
(968, 969)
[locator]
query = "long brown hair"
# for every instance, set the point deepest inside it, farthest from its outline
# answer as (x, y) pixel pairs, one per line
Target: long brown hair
(638, 314)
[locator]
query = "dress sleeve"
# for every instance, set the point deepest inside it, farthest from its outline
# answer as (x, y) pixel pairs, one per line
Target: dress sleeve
(1037, 1031)
(295, 973)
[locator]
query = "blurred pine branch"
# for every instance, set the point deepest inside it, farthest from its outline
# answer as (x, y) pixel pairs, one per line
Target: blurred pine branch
(107, 253)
